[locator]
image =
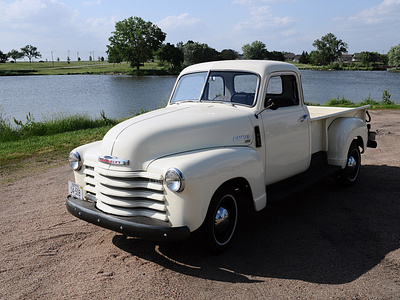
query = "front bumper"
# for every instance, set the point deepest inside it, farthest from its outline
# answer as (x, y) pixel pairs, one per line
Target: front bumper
(140, 227)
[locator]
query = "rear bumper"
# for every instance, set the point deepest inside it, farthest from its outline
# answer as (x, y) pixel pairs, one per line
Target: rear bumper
(140, 227)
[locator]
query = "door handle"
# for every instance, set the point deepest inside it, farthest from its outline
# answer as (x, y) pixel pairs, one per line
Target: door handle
(303, 118)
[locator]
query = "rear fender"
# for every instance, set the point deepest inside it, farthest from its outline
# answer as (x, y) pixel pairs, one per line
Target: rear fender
(204, 172)
(340, 135)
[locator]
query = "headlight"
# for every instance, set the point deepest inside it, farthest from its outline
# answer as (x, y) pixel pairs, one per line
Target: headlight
(75, 160)
(174, 180)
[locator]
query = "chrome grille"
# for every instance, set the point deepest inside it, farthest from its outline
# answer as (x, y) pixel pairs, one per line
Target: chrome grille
(128, 194)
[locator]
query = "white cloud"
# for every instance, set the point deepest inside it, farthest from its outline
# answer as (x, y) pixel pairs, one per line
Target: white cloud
(387, 11)
(91, 3)
(264, 17)
(172, 22)
(242, 2)
(278, 1)
(51, 26)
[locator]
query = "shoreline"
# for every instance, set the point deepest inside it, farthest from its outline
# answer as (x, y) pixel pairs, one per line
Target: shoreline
(149, 69)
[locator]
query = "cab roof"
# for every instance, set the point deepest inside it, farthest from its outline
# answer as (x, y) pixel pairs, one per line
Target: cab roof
(261, 67)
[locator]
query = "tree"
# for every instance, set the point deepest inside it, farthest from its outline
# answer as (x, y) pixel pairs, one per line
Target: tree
(30, 52)
(229, 54)
(257, 50)
(195, 52)
(372, 59)
(3, 57)
(170, 54)
(135, 41)
(275, 55)
(394, 56)
(15, 54)
(330, 48)
(317, 58)
(304, 58)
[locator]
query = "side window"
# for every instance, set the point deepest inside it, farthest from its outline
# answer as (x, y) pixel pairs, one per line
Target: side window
(282, 90)
(275, 86)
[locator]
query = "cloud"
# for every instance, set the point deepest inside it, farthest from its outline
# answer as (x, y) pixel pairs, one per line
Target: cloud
(263, 17)
(172, 22)
(386, 12)
(242, 2)
(91, 3)
(36, 15)
(51, 26)
(278, 1)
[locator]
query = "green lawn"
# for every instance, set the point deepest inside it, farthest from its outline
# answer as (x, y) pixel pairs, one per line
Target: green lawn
(83, 67)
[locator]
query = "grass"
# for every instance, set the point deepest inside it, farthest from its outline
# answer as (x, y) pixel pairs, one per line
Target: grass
(56, 136)
(385, 103)
(47, 143)
(57, 124)
(82, 67)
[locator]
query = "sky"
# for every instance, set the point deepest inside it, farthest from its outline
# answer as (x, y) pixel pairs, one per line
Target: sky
(82, 28)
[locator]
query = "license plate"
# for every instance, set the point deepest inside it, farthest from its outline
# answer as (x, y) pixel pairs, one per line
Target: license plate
(75, 190)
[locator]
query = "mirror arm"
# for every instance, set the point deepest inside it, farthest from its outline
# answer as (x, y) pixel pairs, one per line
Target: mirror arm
(270, 105)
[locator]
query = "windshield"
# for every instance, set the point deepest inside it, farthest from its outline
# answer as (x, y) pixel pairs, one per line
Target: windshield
(220, 86)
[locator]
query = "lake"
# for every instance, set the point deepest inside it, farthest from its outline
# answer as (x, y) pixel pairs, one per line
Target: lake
(121, 96)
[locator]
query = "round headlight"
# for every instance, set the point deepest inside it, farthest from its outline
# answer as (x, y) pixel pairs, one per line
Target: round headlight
(75, 160)
(174, 180)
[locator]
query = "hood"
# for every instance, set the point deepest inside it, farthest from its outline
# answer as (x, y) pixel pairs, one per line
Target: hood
(176, 129)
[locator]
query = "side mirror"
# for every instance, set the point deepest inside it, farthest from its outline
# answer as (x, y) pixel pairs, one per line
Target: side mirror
(270, 103)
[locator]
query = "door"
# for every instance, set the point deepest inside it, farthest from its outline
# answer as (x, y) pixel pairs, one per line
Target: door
(286, 128)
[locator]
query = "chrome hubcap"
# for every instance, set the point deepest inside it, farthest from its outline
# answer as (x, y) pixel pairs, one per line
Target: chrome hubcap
(352, 163)
(221, 220)
(225, 219)
(352, 167)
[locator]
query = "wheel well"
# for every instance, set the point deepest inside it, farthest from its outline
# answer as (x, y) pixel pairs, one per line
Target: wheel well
(360, 143)
(242, 189)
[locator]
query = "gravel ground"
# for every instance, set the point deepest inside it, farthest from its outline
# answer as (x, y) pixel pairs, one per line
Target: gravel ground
(322, 243)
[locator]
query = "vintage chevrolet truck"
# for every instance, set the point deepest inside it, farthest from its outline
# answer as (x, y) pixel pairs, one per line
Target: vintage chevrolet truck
(232, 132)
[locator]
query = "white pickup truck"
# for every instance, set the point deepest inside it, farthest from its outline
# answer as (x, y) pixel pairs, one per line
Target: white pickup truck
(232, 132)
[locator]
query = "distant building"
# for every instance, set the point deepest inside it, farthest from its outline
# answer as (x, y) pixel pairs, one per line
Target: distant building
(349, 58)
(292, 57)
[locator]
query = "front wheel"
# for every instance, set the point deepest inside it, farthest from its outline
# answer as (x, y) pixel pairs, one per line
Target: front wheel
(219, 226)
(349, 175)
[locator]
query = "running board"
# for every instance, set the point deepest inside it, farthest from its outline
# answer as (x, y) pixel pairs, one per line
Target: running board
(319, 169)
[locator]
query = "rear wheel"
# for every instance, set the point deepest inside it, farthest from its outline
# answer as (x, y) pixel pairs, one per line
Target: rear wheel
(219, 226)
(349, 175)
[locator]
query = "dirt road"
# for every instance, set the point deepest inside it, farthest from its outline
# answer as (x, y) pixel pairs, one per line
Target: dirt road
(324, 242)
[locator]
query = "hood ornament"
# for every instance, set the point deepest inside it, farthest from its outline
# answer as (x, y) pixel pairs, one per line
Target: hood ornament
(113, 160)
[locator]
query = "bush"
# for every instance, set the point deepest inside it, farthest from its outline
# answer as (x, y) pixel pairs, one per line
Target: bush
(369, 101)
(308, 103)
(339, 102)
(386, 98)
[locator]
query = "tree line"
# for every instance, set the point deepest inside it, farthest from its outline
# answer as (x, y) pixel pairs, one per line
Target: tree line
(28, 51)
(136, 41)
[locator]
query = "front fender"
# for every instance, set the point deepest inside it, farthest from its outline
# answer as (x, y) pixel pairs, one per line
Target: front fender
(204, 172)
(340, 135)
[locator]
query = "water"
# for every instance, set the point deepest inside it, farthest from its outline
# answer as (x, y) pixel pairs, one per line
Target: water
(122, 96)
(321, 86)
(118, 96)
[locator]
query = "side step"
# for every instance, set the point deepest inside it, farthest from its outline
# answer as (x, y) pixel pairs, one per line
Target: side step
(319, 169)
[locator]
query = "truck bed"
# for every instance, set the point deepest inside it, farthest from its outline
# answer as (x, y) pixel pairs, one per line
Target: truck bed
(321, 118)
(321, 112)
